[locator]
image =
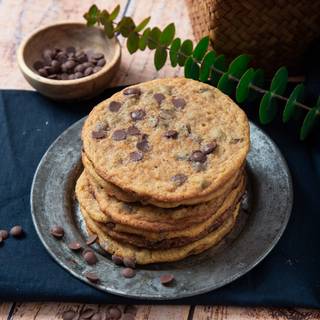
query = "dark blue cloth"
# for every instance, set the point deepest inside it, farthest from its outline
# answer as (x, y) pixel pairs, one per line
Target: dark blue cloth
(29, 123)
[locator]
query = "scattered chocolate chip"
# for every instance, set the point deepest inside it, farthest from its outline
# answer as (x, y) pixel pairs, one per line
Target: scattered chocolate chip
(133, 131)
(129, 262)
(92, 239)
(166, 279)
(137, 115)
(136, 156)
(114, 106)
(91, 277)
(101, 62)
(143, 145)
(119, 134)
(171, 134)
(87, 313)
(16, 231)
(99, 134)
(4, 234)
(198, 156)
(117, 259)
(97, 316)
(114, 313)
(128, 316)
(97, 56)
(128, 273)
(179, 179)
(38, 65)
(209, 148)
(90, 257)
(57, 232)
(69, 315)
(159, 97)
(75, 246)
(178, 103)
(132, 91)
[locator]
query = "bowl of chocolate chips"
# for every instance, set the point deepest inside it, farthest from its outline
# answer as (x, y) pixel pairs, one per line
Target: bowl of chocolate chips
(69, 61)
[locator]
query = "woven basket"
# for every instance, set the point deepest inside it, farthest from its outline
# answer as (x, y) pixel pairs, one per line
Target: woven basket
(274, 32)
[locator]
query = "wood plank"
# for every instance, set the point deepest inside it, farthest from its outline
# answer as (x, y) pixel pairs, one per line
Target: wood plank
(21, 17)
(162, 313)
(237, 313)
(5, 310)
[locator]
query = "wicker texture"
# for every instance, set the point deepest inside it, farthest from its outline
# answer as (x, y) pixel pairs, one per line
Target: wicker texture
(275, 32)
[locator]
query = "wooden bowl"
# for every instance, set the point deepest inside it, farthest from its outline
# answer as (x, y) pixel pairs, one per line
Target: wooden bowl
(62, 35)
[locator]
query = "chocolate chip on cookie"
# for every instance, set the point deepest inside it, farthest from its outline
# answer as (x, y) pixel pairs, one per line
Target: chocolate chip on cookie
(198, 156)
(179, 103)
(114, 106)
(179, 179)
(159, 97)
(133, 131)
(119, 134)
(117, 259)
(209, 148)
(143, 145)
(136, 156)
(137, 115)
(132, 91)
(99, 134)
(171, 134)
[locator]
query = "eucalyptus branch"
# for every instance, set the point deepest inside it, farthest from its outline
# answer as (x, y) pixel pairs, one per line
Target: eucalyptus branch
(236, 79)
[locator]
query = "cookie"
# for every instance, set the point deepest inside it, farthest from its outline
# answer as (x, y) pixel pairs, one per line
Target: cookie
(177, 149)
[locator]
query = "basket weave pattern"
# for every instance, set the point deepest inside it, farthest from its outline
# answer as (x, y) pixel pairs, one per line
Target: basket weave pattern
(274, 32)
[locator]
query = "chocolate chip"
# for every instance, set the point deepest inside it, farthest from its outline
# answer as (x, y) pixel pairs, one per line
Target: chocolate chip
(129, 262)
(128, 316)
(110, 225)
(117, 259)
(179, 179)
(127, 207)
(88, 71)
(101, 62)
(47, 53)
(171, 134)
(43, 72)
(90, 257)
(97, 56)
(132, 91)
(81, 57)
(96, 69)
(38, 65)
(69, 315)
(198, 156)
(91, 277)
(114, 313)
(178, 103)
(64, 76)
(71, 50)
(16, 231)
(75, 246)
(57, 232)
(55, 65)
(49, 69)
(128, 273)
(79, 68)
(133, 131)
(114, 106)
(136, 156)
(4, 234)
(119, 134)
(209, 148)
(97, 316)
(78, 75)
(92, 239)
(137, 115)
(166, 279)
(236, 140)
(99, 134)
(87, 313)
(70, 64)
(86, 65)
(143, 145)
(62, 57)
(71, 77)
(159, 97)
(53, 76)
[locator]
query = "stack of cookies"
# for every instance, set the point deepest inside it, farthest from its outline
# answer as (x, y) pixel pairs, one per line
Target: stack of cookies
(163, 169)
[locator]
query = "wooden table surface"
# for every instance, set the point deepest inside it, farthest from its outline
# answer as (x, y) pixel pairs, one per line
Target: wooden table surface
(20, 17)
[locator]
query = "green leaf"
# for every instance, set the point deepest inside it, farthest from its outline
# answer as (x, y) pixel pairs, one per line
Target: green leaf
(133, 42)
(144, 39)
(201, 49)
(220, 64)
(279, 81)
(160, 57)
(142, 24)
(243, 87)
(114, 13)
(309, 122)
(104, 17)
(92, 15)
(126, 26)
(108, 29)
(290, 108)
(191, 69)
(174, 49)
(185, 51)
(225, 84)
(267, 110)
(239, 65)
(207, 63)
(153, 38)
(167, 34)
(258, 80)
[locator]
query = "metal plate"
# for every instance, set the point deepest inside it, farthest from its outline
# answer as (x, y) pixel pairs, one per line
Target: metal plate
(269, 196)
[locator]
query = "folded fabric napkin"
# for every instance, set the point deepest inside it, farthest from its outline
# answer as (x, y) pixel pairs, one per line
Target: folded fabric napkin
(29, 123)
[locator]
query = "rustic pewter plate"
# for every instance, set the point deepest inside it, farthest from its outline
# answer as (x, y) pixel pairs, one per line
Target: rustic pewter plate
(266, 211)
